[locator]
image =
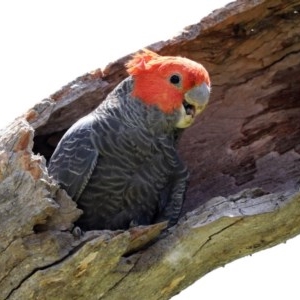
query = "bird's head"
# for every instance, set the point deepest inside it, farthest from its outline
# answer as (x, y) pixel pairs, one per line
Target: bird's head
(171, 83)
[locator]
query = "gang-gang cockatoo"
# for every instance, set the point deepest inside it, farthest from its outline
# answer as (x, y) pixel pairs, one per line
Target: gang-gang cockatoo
(120, 163)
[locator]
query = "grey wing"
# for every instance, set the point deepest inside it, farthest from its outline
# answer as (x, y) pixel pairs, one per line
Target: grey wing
(173, 195)
(74, 160)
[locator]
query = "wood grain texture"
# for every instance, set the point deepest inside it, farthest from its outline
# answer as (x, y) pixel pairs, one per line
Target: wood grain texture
(243, 154)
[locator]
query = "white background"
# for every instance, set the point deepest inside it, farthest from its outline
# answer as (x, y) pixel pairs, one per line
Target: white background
(46, 44)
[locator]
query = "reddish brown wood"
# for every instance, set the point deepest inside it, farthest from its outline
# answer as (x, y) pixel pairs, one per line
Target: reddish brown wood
(243, 154)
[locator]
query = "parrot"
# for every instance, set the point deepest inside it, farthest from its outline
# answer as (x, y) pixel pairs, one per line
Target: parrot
(120, 162)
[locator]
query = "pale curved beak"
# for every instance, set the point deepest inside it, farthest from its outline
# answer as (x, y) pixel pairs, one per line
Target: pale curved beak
(195, 100)
(198, 95)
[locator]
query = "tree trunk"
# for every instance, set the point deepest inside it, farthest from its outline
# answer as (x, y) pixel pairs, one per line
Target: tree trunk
(243, 154)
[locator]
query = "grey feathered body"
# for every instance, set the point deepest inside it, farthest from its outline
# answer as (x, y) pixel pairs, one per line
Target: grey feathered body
(120, 165)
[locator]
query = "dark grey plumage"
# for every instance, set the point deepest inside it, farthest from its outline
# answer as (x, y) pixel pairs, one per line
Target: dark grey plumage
(120, 165)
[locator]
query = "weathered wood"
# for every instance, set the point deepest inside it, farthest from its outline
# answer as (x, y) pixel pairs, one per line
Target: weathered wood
(243, 153)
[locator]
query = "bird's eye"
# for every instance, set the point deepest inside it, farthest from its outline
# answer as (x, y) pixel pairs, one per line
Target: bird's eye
(175, 79)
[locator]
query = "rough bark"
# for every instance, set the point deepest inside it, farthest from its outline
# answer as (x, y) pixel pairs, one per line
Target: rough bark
(243, 154)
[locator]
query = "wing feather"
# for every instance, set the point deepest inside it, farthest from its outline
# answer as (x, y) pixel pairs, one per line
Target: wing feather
(74, 159)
